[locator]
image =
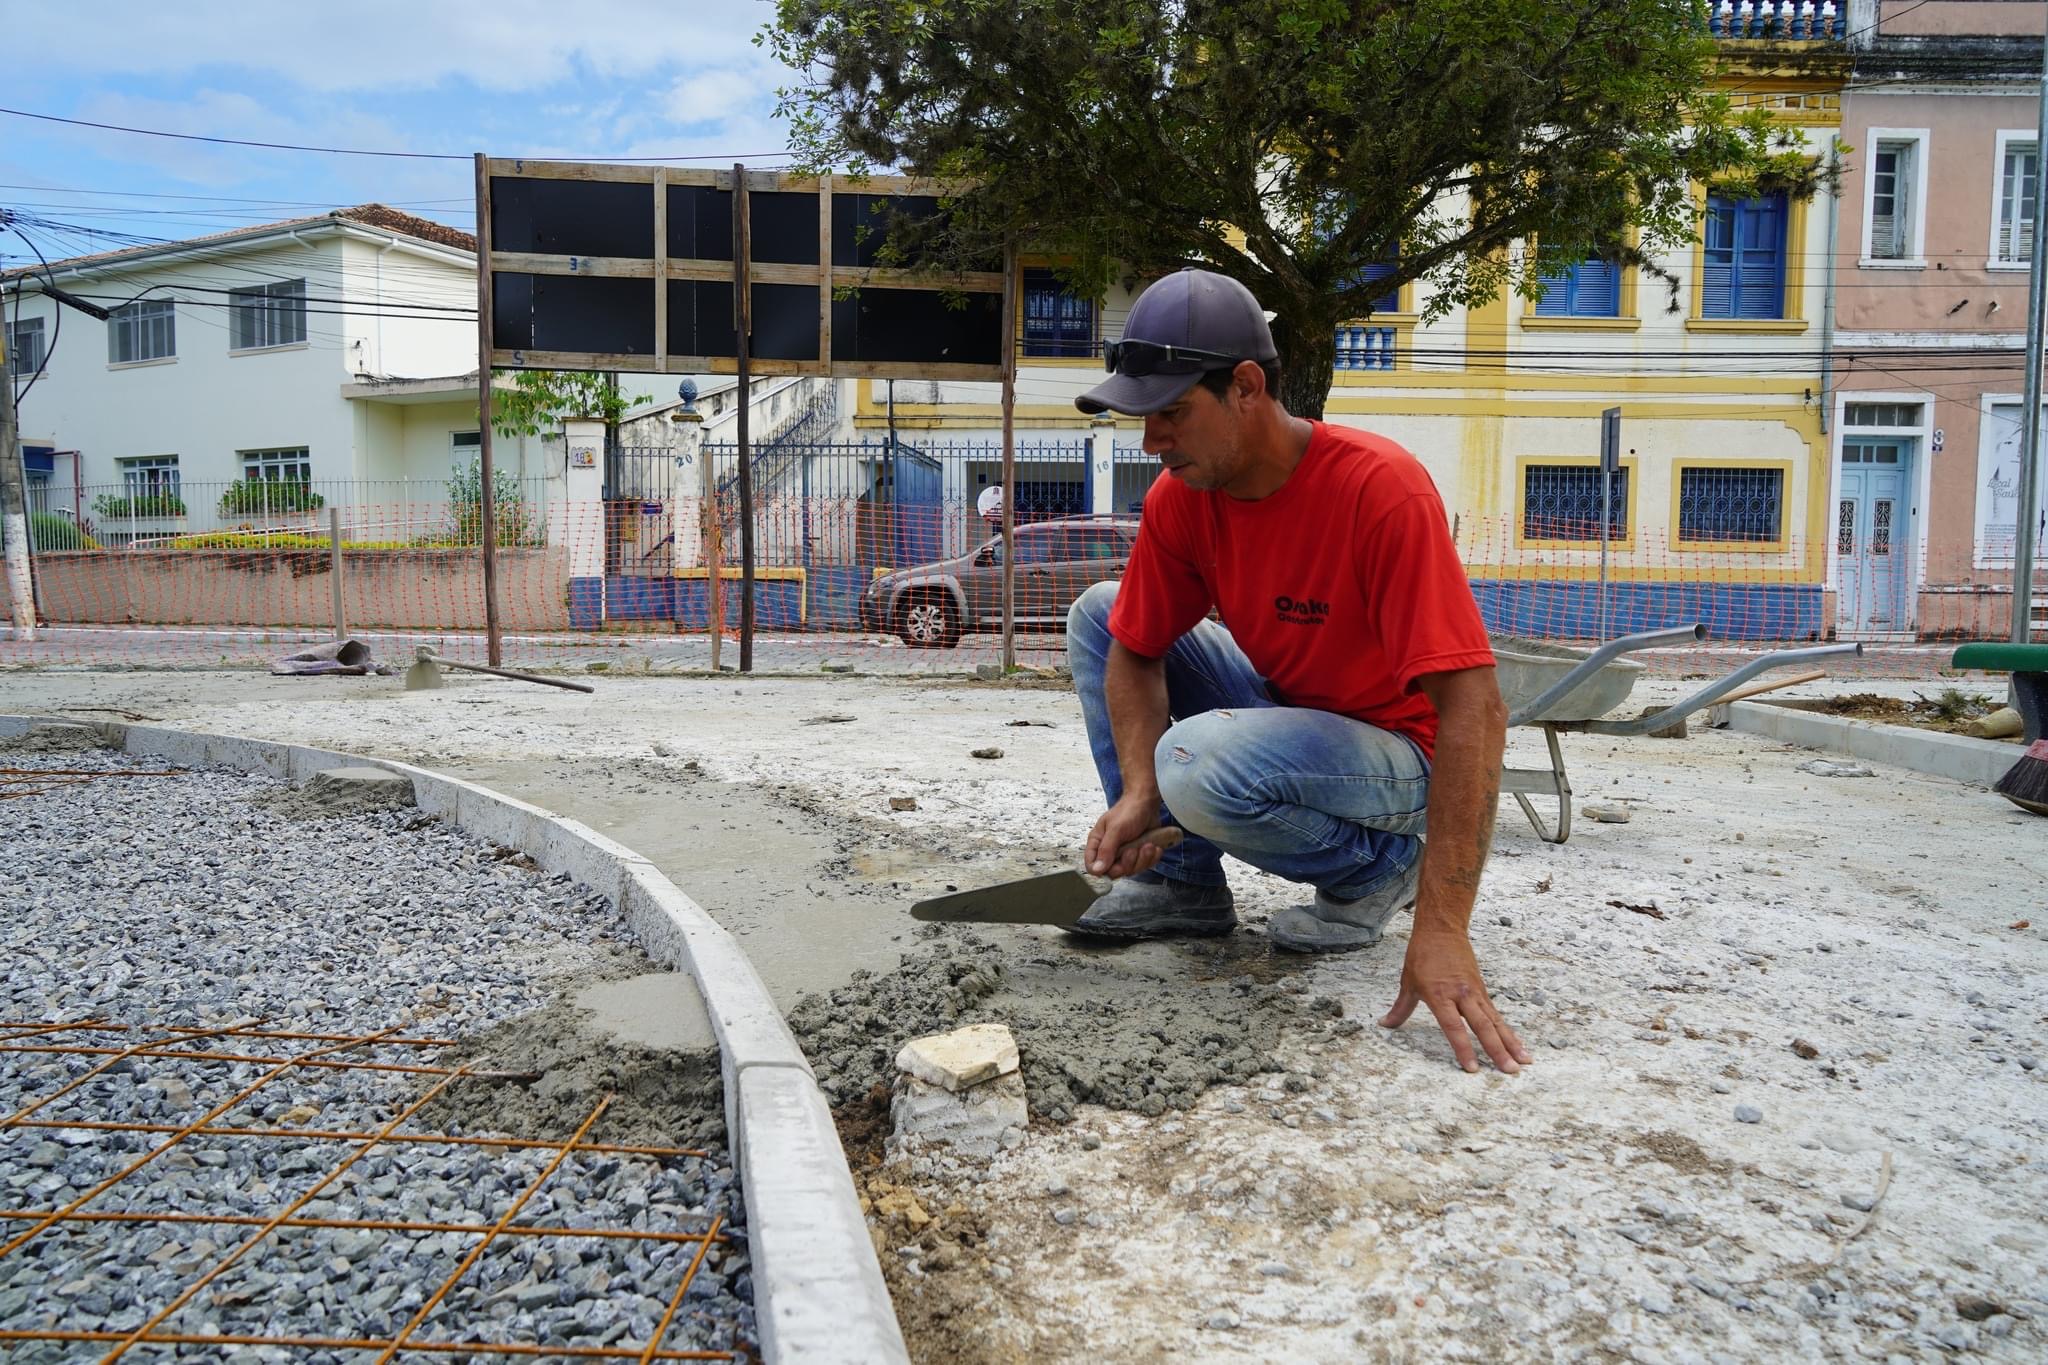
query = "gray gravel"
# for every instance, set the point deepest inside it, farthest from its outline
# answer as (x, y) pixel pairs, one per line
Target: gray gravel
(185, 902)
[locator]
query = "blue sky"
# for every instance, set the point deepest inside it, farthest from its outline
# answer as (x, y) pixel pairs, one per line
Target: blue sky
(592, 79)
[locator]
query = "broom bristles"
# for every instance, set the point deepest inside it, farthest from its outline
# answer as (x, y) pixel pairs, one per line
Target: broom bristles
(2025, 784)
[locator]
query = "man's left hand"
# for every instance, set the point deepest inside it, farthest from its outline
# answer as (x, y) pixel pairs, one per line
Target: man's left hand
(1441, 972)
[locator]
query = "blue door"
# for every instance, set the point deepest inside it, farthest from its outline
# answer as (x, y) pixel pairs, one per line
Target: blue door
(918, 488)
(1873, 536)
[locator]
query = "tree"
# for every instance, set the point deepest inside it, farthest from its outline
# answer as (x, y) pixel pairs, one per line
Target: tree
(1298, 146)
(539, 399)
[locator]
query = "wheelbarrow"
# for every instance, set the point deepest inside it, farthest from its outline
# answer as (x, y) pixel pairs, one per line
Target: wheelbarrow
(1559, 690)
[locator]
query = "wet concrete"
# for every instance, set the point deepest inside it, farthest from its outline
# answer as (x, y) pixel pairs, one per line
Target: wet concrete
(813, 894)
(652, 1010)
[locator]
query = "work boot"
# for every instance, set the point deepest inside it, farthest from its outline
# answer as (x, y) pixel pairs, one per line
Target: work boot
(1151, 906)
(1333, 926)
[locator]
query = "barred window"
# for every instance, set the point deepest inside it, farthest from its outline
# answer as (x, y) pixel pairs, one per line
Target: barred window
(1562, 502)
(1056, 323)
(147, 330)
(1731, 506)
(269, 314)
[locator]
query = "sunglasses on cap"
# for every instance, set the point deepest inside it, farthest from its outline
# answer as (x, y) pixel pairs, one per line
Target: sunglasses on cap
(1140, 358)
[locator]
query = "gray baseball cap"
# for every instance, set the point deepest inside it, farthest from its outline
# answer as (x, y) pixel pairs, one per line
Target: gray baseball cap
(1189, 310)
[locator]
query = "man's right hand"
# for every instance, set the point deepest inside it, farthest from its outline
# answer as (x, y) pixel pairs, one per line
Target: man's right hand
(1113, 849)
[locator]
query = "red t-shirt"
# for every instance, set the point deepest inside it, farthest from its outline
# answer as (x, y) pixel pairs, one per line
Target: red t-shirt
(1342, 588)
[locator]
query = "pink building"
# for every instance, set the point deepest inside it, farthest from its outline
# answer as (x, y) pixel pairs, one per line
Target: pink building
(1931, 252)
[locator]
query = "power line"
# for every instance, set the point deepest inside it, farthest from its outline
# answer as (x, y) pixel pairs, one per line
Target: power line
(358, 151)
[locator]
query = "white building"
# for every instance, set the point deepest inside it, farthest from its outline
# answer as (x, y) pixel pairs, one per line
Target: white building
(248, 375)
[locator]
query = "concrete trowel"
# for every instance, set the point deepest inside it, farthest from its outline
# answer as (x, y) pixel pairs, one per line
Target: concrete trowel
(1057, 898)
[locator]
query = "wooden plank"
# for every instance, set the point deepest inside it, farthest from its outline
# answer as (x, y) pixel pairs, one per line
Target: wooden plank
(825, 269)
(1009, 458)
(888, 277)
(596, 267)
(768, 272)
(697, 364)
(699, 268)
(743, 327)
(912, 369)
(901, 184)
(493, 643)
(604, 171)
(659, 273)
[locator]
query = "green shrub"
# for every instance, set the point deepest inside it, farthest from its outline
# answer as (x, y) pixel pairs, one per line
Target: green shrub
(49, 532)
(269, 497)
(517, 522)
(141, 505)
(249, 540)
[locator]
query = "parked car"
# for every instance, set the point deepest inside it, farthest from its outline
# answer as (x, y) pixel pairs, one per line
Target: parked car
(932, 605)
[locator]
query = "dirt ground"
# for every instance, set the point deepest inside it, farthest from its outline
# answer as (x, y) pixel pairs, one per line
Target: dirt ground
(1787, 1102)
(1950, 710)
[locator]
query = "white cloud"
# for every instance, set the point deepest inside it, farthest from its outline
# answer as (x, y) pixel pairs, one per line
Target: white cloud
(715, 96)
(509, 45)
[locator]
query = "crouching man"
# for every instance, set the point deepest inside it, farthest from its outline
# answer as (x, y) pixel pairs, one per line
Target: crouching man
(1346, 701)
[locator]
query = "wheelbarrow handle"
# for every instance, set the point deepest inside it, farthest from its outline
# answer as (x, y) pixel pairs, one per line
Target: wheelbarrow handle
(1720, 688)
(1600, 658)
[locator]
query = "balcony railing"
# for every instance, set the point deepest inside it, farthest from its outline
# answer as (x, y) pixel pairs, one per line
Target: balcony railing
(1799, 20)
(1366, 348)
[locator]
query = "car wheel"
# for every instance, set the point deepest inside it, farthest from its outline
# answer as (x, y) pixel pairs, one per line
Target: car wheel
(928, 621)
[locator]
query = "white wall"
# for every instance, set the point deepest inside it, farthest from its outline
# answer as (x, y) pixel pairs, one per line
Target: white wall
(207, 403)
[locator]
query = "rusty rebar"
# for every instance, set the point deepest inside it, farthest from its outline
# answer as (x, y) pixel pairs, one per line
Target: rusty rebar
(365, 1344)
(676, 1299)
(373, 1224)
(341, 1135)
(227, 1263)
(532, 1188)
(151, 1155)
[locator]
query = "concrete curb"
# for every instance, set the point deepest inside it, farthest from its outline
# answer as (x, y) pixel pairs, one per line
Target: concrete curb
(1979, 762)
(818, 1290)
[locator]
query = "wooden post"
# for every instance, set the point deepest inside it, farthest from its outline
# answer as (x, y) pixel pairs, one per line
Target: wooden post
(743, 324)
(1009, 457)
(494, 647)
(334, 570)
(714, 558)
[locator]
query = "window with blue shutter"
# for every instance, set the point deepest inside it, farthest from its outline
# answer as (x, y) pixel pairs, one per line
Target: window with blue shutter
(1590, 289)
(1743, 261)
(1056, 323)
(1389, 302)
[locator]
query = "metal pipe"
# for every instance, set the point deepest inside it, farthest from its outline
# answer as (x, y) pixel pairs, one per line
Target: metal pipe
(1714, 691)
(431, 657)
(1592, 663)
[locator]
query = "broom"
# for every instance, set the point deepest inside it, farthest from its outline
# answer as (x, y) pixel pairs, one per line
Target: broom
(2026, 783)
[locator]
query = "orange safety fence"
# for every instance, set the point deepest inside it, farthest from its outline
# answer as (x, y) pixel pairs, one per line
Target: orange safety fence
(209, 580)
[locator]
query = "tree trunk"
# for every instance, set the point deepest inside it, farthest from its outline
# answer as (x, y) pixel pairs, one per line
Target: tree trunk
(1308, 358)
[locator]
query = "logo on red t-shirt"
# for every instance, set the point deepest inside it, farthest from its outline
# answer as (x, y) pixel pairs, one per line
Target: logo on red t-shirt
(1301, 611)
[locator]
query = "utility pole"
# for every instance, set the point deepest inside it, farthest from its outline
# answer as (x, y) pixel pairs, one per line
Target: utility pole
(2027, 515)
(14, 509)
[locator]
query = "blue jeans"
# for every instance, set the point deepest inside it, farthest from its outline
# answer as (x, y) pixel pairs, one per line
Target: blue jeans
(1307, 795)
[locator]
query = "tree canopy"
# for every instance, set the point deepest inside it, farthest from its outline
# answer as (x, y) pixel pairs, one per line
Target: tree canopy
(539, 399)
(1295, 145)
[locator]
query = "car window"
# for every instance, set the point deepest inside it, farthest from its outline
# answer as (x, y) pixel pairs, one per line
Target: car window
(1100, 542)
(1041, 545)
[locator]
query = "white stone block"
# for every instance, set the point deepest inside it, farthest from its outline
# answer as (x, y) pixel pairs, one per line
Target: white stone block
(961, 1059)
(974, 1123)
